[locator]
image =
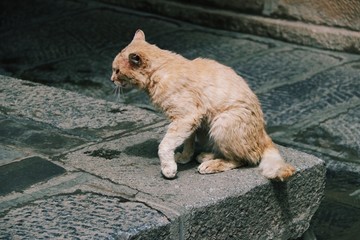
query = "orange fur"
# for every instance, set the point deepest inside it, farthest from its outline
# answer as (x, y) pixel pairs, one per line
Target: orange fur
(198, 95)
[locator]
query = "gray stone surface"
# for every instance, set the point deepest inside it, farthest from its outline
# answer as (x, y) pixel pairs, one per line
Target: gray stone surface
(18, 176)
(84, 216)
(190, 44)
(9, 154)
(67, 111)
(310, 100)
(324, 103)
(300, 65)
(81, 54)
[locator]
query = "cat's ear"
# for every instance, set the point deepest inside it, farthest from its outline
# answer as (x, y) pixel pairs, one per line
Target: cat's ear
(139, 35)
(135, 60)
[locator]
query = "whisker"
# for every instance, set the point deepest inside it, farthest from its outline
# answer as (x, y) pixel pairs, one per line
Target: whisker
(118, 92)
(115, 90)
(121, 91)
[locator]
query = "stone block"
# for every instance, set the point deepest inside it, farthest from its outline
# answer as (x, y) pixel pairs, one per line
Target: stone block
(237, 203)
(17, 176)
(85, 216)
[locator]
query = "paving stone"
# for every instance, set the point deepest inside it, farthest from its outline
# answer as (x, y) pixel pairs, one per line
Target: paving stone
(318, 116)
(199, 43)
(70, 111)
(70, 182)
(84, 216)
(337, 221)
(338, 215)
(16, 14)
(86, 75)
(76, 57)
(88, 37)
(17, 176)
(286, 105)
(335, 133)
(283, 67)
(132, 161)
(9, 153)
(117, 32)
(37, 137)
(17, 56)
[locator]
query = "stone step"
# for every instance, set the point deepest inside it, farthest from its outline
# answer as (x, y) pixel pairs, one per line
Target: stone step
(107, 181)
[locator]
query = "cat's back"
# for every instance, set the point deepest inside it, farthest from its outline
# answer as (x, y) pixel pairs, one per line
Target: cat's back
(207, 64)
(209, 67)
(216, 73)
(221, 82)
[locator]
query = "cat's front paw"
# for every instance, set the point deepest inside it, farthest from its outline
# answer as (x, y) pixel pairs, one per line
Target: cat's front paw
(169, 170)
(182, 158)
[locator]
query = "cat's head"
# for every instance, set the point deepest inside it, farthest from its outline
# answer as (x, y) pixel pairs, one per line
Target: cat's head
(131, 67)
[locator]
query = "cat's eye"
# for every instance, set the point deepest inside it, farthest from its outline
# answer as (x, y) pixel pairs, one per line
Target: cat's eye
(134, 59)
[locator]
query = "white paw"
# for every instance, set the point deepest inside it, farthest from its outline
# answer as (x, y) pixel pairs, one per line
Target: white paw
(169, 169)
(182, 158)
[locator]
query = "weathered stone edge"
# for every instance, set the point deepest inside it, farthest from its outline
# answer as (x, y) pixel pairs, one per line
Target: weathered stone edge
(319, 36)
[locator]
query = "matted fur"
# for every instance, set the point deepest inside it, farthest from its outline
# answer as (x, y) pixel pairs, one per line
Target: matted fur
(205, 100)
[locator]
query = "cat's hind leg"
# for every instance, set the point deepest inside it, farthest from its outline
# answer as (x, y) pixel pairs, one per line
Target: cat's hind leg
(204, 156)
(186, 155)
(218, 165)
(188, 150)
(211, 163)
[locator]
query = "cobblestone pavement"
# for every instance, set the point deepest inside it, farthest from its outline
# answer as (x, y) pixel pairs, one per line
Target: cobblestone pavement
(310, 97)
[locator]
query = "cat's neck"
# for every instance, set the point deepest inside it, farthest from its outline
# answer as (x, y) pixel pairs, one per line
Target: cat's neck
(159, 61)
(163, 57)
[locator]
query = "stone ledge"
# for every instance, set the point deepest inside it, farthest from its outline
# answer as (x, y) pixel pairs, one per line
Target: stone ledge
(332, 38)
(236, 203)
(126, 197)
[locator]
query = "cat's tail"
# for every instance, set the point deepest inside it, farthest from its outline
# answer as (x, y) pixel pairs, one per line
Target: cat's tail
(273, 166)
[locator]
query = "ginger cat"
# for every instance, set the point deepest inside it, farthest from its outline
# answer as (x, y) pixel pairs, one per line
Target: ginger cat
(203, 99)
